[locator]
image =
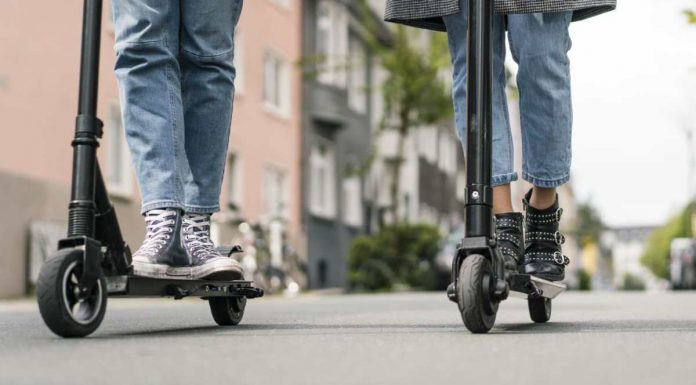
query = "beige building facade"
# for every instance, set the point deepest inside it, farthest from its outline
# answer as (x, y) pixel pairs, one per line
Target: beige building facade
(39, 70)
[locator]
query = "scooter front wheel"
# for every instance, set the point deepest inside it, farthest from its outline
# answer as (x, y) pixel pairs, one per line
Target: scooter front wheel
(476, 306)
(66, 309)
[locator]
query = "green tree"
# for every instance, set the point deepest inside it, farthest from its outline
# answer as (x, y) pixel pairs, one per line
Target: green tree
(398, 255)
(632, 282)
(656, 254)
(584, 280)
(589, 225)
(690, 16)
(414, 92)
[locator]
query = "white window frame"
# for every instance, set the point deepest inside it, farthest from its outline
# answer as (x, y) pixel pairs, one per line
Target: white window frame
(280, 91)
(460, 184)
(239, 62)
(352, 201)
(322, 191)
(235, 179)
(275, 191)
(282, 3)
(332, 28)
(356, 83)
(116, 141)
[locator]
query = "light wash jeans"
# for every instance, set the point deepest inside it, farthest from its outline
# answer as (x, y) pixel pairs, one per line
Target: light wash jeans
(176, 83)
(539, 44)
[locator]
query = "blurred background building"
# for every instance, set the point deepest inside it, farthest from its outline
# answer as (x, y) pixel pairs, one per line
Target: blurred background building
(310, 164)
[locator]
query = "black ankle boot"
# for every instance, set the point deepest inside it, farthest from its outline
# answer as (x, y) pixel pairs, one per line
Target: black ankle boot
(543, 257)
(508, 231)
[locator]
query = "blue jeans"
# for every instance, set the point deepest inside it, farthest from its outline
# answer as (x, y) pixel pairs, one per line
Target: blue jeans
(539, 44)
(176, 83)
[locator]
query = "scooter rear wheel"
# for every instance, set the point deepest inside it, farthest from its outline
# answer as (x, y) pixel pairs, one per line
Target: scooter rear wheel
(227, 311)
(67, 310)
(474, 295)
(539, 309)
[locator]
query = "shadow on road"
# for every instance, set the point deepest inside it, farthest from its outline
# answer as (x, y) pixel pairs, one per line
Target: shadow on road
(614, 326)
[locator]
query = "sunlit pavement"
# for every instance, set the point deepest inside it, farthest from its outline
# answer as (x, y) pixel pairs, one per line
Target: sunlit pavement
(602, 338)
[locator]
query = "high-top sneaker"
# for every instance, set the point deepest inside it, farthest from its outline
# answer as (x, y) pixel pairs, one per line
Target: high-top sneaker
(161, 252)
(206, 261)
(543, 257)
(508, 231)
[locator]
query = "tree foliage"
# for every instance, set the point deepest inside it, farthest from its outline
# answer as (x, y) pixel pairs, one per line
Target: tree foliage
(398, 255)
(690, 16)
(656, 254)
(589, 225)
(413, 91)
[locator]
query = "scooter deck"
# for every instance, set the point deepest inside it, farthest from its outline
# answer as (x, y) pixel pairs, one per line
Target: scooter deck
(527, 286)
(133, 286)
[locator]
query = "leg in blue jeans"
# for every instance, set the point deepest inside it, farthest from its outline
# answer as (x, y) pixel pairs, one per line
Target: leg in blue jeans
(174, 66)
(539, 44)
(176, 82)
(503, 160)
(207, 45)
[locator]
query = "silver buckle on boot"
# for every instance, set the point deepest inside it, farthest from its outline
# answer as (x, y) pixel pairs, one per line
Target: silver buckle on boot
(559, 238)
(559, 258)
(559, 212)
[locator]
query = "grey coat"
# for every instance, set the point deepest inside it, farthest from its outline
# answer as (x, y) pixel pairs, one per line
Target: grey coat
(429, 13)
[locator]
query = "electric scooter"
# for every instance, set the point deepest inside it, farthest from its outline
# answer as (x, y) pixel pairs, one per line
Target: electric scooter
(94, 262)
(479, 282)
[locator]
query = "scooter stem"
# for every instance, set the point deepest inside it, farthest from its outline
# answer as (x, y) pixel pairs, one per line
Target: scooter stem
(87, 127)
(479, 195)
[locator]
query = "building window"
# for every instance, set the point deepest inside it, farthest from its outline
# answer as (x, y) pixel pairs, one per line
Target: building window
(118, 165)
(447, 153)
(323, 41)
(276, 84)
(282, 3)
(234, 181)
(461, 186)
(352, 201)
(332, 42)
(239, 58)
(357, 76)
(428, 144)
(275, 193)
(322, 200)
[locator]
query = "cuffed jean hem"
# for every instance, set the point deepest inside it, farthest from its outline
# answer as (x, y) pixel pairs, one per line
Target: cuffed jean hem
(164, 204)
(201, 209)
(545, 183)
(499, 180)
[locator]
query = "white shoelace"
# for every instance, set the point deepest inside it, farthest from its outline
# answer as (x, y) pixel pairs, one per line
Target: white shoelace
(197, 236)
(159, 229)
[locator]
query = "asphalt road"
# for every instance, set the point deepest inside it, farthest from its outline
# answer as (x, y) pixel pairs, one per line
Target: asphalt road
(414, 338)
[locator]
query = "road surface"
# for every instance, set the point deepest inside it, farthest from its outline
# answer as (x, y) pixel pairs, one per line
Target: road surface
(410, 338)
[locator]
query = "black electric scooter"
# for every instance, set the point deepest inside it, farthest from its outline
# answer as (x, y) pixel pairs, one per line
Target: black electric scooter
(94, 262)
(479, 282)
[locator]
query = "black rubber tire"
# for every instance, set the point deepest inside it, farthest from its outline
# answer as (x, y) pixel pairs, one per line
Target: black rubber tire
(477, 317)
(227, 311)
(539, 309)
(52, 296)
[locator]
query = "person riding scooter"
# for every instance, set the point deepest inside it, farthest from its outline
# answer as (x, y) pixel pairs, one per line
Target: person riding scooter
(539, 43)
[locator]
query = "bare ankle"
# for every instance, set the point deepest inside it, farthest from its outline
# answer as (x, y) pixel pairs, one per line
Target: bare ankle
(542, 198)
(502, 199)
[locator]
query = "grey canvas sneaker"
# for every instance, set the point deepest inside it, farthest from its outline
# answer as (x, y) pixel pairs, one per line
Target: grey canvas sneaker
(206, 261)
(161, 254)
